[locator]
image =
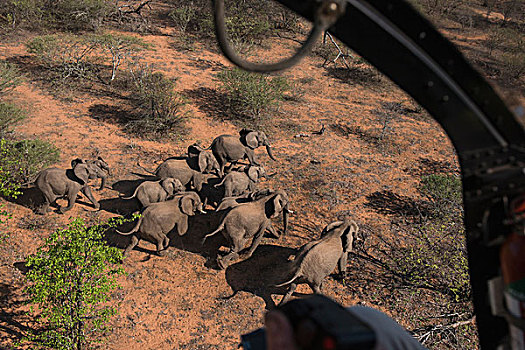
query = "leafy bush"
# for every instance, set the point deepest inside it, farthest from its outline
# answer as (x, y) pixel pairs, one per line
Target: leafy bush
(8, 188)
(252, 94)
(444, 193)
(22, 160)
(9, 77)
(158, 108)
(71, 278)
(10, 115)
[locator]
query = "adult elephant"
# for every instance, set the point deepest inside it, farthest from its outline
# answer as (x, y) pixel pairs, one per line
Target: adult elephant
(248, 222)
(58, 183)
(231, 148)
(180, 170)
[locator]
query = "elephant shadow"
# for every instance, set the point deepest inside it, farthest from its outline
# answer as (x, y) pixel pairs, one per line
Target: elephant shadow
(261, 272)
(127, 187)
(199, 226)
(210, 194)
(31, 198)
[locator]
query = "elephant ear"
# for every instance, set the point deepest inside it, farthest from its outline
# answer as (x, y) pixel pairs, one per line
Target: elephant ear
(253, 174)
(251, 140)
(349, 235)
(186, 205)
(203, 161)
(274, 206)
(194, 150)
(76, 161)
(81, 172)
(168, 186)
(330, 227)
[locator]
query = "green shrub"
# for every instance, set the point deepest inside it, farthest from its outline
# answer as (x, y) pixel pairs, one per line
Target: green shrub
(444, 193)
(10, 115)
(514, 65)
(159, 110)
(24, 159)
(8, 188)
(250, 94)
(71, 278)
(9, 77)
(183, 15)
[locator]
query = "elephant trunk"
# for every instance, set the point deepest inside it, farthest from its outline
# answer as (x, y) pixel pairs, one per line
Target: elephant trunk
(269, 150)
(285, 218)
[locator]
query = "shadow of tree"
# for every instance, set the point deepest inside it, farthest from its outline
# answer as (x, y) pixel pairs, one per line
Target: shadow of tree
(390, 203)
(110, 113)
(31, 198)
(13, 320)
(210, 101)
(367, 77)
(260, 273)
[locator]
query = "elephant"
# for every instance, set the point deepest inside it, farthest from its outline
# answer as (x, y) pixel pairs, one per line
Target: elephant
(99, 169)
(156, 191)
(230, 148)
(159, 219)
(316, 260)
(238, 182)
(202, 160)
(232, 202)
(248, 221)
(58, 183)
(178, 169)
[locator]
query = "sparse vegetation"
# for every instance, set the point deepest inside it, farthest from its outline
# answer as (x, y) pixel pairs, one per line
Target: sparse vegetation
(10, 77)
(22, 160)
(10, 115)
(426, 252)
(159, 110)
(252, 95)
(71, 278)
(64, 14)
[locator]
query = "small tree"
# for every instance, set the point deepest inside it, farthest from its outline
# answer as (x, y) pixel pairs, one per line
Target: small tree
(9, 77)
(71, 278)
(119, 47)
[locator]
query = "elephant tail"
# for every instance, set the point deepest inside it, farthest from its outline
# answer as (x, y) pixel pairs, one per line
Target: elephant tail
(135, 229)
(220, 184)
(146, 170)
(296, 276)
(219, 229)
(133, 195)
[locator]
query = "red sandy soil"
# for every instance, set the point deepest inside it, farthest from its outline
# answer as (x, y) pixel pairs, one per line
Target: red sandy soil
(177, 302)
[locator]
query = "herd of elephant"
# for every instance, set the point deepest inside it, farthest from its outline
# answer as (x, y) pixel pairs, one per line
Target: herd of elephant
(168, 201)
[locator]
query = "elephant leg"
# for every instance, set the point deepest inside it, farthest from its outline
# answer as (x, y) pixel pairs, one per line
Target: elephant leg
(87, 191)
(272, 231)
(45, 207)
(251, 157)
(162, 245)
(102, 183)
(134, 241)
(342, 264)
(71, 199)
(224, 261)
(256, 241)
(316, 287)
(288, 295)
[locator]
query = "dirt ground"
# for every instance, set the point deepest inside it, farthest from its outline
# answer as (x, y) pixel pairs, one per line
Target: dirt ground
(179, 301)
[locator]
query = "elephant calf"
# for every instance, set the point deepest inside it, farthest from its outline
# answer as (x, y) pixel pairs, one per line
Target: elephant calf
(238, 182)
(150, 192)
(318, 259)
(159, 219)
